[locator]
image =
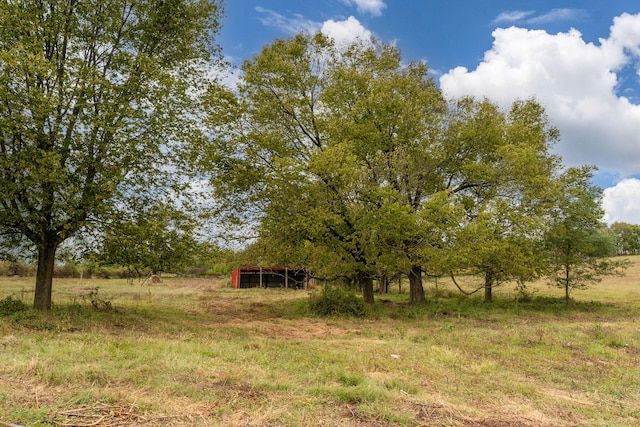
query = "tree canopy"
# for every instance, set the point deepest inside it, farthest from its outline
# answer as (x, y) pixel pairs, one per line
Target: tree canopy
(578, 243)
(351, 162)
(96, 98)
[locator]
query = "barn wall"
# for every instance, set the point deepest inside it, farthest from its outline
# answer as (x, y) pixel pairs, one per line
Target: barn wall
(250, 277)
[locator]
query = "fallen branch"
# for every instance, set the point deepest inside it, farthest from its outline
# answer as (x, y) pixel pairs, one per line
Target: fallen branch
(106, 415)
(95, 423)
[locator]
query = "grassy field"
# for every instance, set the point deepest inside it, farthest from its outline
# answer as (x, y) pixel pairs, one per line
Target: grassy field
(198, 353)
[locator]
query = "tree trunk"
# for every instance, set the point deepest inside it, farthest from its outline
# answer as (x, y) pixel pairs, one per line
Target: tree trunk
(44, 277)
(566, 284)
(416, 291)
(366, 284)
(383, 287)
(488, 284)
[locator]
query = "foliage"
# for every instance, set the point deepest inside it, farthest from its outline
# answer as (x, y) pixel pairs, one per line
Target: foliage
(96, 100)
(15, 268)
(336, 301)
(10, 305)
(98, 302)
(502, 174)
(155, 238)
(350, 162)
(577, 244)
(627, 238)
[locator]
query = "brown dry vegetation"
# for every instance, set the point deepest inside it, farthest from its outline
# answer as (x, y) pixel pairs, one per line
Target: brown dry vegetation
(197, 353)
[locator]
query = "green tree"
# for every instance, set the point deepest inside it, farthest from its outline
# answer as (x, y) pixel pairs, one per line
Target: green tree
(501, 173)
(578, 246)
(350, 160)
(95, 97)
(627, 238)
(276, 175)
(157, 238)
(333, 153)
(390, 115)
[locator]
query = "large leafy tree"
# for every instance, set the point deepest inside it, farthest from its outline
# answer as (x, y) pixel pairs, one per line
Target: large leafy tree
(350, 161)
(502, 174)
(333, 152)
(95, 95)
(390, 115)
(268, 168)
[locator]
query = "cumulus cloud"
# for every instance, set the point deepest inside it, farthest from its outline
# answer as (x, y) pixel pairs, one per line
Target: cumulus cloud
(343, 32)
(622, 202)
(576, 81)
(373, 7)
(347, 31)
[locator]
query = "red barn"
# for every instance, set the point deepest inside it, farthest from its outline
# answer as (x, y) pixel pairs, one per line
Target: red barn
(269, 277)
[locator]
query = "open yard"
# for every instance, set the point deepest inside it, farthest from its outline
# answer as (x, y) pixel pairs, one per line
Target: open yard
(194, 352)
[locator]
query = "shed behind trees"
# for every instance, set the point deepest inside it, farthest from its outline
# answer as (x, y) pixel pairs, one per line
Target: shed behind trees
(269, 277)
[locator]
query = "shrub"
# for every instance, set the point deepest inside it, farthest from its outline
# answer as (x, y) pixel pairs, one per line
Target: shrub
(5, 268)
(99, 303)
(65, 271)
(10, 305)
(20, 269)
(195, 271)
(336, 301)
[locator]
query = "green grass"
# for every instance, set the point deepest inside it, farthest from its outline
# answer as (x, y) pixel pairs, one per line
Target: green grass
(195, 352)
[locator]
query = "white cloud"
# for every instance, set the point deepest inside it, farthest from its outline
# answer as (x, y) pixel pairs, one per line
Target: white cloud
(524, 16)
(622, 202)
(230, 76)
(347, 31)
(373, 7)
(343, 32)
(557, 15)
(512, 16)
(576, 81)
(291, 26)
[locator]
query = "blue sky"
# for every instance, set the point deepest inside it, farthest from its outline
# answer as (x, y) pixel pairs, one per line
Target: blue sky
(581, 59)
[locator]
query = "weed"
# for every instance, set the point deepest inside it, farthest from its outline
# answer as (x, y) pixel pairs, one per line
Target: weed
(99, 303)
(362, 393)
(349, 379)
(597, 331)
(10, 306)
(336, 301)
(401, 385)
(448, 326)
(523, 293)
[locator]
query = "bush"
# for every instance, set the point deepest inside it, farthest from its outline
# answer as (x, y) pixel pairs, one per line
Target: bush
(65, 271)
(4, 268)
(10, 305)
(336, 301)
(99, 303)
(18, 269)
(109, 272)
